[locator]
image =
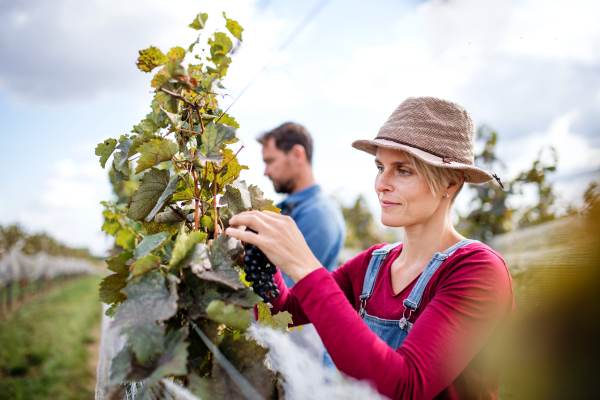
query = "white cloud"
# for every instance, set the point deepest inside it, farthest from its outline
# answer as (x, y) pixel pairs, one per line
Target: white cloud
(66, 205)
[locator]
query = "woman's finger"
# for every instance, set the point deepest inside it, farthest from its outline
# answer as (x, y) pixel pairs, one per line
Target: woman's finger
(251, 219)
(244, 236)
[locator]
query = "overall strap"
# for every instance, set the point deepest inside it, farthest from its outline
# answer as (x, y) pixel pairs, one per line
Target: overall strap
(416, 295)
(377, 258)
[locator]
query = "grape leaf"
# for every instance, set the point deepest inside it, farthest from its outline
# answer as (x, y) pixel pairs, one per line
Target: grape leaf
(224, 250)
(124, 146)
(220, 46)
(155, 227)
(120, 167)
(259, 202)
(154, 152)
(173, 361)
(150, 244)
(215, 135)
(199, 22)
(139, 140)
(110, 287)
(228, 314)
(150, 59)
(278, 321)
(191, 46)
(229, 120)
(170, 216)
(126, 239)
(126, 256)
(164, 197)
(183, 245)
(236, 197)
(111, 227)
(145, 198)
(233, 281)
(117, 265)
(145, 264)
(248, 358)
(234, 27)
(148, 300)
(230, 171)
(105, 149)
(175, 118)
(176, 53)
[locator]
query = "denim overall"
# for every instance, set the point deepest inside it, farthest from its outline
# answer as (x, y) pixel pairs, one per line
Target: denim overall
(393, 332)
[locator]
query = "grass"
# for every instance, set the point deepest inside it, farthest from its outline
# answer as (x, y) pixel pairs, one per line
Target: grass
(43, 347)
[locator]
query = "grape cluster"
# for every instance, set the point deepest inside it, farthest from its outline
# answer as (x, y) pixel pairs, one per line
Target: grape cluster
(259, 270)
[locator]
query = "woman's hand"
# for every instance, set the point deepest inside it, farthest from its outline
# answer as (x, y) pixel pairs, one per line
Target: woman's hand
(279, 238)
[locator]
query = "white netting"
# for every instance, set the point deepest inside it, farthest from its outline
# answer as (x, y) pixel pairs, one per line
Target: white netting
(15, 266)
(305, 376)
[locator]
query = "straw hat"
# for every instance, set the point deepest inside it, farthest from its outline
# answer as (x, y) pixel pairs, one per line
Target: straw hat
(437, 131)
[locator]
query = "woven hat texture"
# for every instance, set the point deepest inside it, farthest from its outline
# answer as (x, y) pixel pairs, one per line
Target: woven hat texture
(437, 131)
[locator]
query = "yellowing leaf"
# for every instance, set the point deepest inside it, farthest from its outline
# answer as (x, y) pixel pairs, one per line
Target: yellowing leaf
(154, 152)
(234, 27)
(126, 239)
(259, 202)
(229, 120)
(150, 59)
(111, 227)
(176, 53)
(183, 245)
(199, 22)
(278, 321)
(216, 135)
(105, 149)
(228, 314)
(143, 265)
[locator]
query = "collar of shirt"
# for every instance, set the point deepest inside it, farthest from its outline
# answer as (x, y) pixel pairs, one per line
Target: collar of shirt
(294, 199)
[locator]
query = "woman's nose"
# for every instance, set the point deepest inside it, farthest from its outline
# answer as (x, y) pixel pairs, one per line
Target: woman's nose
(382, 183)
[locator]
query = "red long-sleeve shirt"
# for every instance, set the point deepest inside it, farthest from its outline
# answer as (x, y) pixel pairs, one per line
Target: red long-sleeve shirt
(449, 352)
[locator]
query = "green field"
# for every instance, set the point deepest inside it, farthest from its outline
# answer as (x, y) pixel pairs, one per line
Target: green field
(46, 346)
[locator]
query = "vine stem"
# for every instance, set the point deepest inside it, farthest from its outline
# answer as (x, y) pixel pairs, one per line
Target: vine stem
(196, 201)
(180, 217)
(215, 215)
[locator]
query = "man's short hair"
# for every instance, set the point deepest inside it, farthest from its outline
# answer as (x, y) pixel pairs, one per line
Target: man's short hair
(287, 136)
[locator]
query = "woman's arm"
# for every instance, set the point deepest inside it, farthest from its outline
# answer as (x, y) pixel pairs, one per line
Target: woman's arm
(342, 276)
(467, 307)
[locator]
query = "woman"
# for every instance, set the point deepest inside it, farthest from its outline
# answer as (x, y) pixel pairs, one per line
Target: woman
(418, 319)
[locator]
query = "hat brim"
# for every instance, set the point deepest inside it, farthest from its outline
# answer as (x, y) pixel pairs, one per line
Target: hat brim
(472, 173)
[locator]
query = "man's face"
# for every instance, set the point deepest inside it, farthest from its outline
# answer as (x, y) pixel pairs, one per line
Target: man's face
(279, 167)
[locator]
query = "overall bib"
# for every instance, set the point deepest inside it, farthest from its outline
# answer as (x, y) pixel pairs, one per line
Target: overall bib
(393, 332)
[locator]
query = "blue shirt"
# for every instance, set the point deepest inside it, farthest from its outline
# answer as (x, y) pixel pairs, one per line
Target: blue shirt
(321, 222)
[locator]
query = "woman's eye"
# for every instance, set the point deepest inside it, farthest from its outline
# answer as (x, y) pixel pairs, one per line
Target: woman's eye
(379, 168)
(403, 172)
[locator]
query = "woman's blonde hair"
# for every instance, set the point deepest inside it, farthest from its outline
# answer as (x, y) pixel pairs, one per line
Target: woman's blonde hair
(437, 178)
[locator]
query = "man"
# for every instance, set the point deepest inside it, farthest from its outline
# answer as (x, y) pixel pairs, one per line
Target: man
(287, 153)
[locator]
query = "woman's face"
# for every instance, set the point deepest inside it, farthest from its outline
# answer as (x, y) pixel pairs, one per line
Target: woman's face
(404, 196)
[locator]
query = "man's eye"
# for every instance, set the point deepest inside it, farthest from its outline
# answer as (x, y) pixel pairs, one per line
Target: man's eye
(379, 168)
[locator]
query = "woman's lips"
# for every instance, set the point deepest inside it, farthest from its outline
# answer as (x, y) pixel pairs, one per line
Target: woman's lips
(388, 204)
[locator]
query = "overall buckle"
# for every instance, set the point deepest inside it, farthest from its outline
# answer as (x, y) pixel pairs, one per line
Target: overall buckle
(403, 323)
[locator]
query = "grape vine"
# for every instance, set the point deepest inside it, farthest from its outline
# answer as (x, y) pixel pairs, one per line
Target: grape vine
(174, 271)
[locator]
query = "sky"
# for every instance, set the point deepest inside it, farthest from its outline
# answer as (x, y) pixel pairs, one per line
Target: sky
(529, 68)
